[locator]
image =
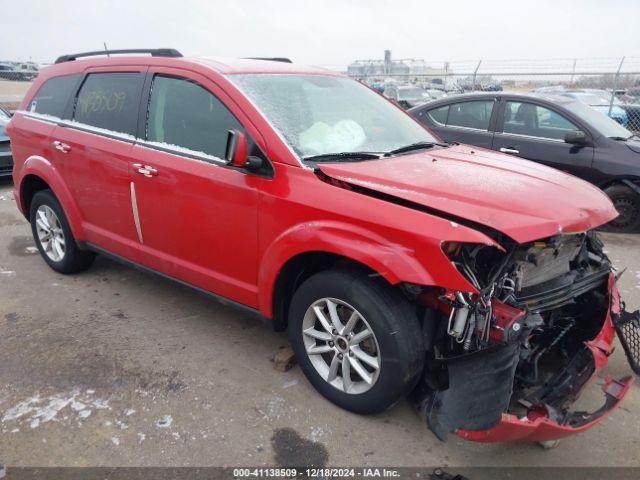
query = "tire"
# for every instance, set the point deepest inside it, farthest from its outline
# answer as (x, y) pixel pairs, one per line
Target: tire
(627, 202)
(46, 212)
(396, 345)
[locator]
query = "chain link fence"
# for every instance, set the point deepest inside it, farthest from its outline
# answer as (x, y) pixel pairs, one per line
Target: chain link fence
(610, 85)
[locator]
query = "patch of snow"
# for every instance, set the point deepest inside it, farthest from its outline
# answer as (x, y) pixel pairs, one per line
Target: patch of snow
(129, 411)
(7, 273)
(164, 422)
(115, 441)
(141, 437)
(275, 408)
(316, 434)
(37, 410)
(21, 409)
(102, 131)
(290, 383)
(78, 406)
(184, 150)
(101, 404)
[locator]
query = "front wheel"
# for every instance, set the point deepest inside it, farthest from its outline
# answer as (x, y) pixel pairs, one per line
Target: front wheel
(357, 339)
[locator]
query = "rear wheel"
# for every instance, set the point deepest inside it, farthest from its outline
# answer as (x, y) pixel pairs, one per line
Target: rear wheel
(53, 236)
(356, 339)
(627, 203)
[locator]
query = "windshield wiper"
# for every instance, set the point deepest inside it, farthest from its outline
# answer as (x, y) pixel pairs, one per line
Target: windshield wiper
(414, 146)
(342, 156)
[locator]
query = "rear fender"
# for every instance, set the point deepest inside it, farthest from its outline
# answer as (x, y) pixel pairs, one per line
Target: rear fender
(43, 168)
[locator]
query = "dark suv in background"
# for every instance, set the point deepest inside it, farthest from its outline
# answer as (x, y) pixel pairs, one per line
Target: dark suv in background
(558, 131)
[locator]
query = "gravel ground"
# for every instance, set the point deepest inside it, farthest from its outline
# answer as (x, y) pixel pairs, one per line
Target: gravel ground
(114, 367)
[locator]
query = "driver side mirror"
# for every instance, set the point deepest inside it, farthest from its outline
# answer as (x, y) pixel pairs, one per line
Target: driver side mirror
(236, 153)
(576, 137)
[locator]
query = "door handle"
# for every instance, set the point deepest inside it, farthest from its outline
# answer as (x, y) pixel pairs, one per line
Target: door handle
(146, 170)
(509, 150)
(61, 147)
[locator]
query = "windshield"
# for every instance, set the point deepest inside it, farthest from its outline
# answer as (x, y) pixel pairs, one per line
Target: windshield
(598, 120)
(319, 115)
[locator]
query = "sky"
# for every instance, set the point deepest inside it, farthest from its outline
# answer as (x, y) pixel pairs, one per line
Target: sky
(325, 32)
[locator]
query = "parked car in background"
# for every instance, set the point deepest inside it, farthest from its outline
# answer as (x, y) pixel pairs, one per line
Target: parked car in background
(18, 71)
(397, 263)
(435, 84)
(555, 130)
(600, 101)
(6, 71)
(633, 116)
(632, 95)
(6, 160)
(436, 94)
(407, 96)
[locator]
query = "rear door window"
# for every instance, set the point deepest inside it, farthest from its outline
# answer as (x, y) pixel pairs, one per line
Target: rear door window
(183, 114)
(522, 118)
(53, 96)
(475, 114)
(110, 101)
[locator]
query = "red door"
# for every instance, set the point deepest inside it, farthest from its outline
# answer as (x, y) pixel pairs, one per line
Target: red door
(94, 153)
(197, 217)
(96, 172)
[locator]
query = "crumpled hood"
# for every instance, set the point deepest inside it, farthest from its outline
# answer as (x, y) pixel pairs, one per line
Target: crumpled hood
(524, 200)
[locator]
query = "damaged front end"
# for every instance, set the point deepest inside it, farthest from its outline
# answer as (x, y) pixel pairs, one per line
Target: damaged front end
(507, 361)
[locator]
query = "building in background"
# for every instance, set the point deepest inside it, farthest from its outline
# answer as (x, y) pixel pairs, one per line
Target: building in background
(401, 69)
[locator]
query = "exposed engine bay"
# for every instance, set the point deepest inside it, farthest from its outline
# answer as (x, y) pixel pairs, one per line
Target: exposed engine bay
(518, 345)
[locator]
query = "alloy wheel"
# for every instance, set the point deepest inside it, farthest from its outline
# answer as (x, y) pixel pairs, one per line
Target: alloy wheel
(341, 345)
(50, 233)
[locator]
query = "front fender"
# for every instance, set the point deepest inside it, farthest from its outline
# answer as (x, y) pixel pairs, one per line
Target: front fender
(394, 262)
(47, 171)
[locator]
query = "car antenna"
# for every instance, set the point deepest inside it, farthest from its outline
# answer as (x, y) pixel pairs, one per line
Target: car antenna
(106, 49)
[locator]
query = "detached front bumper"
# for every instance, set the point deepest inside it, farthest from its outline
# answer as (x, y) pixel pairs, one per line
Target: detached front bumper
(542, 428)
(538, 426)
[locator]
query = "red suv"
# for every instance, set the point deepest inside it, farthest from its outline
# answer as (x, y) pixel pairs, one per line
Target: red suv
(398, 264)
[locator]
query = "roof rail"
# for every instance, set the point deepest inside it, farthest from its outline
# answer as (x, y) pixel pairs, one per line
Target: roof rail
(154, 52)
(272, 59)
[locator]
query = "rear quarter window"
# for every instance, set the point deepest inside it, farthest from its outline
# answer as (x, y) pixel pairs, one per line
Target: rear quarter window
(439, 115)
(110, 101)
(53, 96)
